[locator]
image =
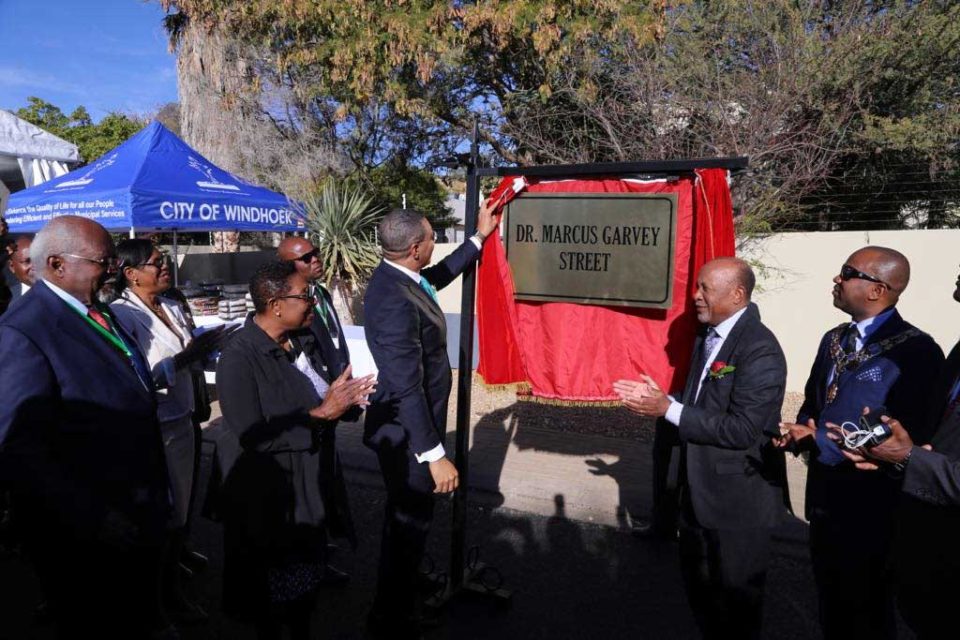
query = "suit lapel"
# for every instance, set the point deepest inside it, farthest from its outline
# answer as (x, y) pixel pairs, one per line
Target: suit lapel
(419, 297)
(334, 357)
(948, 429)
(696, 366)
(427, 303)
(729, 345)
(72, 326)
(149, 321)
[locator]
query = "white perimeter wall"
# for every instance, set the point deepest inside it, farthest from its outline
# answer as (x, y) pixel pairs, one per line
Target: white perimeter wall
(795, 279)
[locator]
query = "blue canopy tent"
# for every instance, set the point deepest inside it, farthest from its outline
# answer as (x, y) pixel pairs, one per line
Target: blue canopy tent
(154, 181)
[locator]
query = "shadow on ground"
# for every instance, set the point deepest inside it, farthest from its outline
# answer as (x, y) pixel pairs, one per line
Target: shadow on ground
(570, 580)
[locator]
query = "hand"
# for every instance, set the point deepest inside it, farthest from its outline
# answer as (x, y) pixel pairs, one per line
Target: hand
(345, 392)
(893, 450)
(796, 436)
(445, 476)
(644, 398)
(486, 220)
(200, 347)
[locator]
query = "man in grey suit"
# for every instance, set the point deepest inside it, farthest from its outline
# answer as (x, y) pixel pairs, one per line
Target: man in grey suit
(732, 481)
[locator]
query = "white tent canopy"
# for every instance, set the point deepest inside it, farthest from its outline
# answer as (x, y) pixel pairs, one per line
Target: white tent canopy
(29, 152)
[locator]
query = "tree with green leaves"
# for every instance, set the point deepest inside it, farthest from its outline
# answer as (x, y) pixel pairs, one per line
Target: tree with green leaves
(92, 139)
(394, 183)
(847, 109)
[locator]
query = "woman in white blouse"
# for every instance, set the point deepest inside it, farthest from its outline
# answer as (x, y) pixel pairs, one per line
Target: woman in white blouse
(161, 330)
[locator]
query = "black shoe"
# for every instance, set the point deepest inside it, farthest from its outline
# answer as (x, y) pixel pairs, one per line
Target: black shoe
(382, 628)
(333, 577)
(42, 615)
(196, 562)
(649, 530)
(187, 613)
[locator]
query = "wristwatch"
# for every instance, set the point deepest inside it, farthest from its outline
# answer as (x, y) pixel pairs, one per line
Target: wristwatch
(901, 466)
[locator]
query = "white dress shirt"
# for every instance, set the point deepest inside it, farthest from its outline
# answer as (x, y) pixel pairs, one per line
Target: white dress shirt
(438, 451)
(723, 330)
(66, 297)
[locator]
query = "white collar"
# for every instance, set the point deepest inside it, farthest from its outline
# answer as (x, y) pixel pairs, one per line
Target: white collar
(66, 297)
(413, 275)
(723, 329)
(869, 325)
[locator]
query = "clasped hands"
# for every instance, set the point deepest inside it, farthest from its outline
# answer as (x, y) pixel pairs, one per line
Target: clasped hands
(345, 392)
(642, 397)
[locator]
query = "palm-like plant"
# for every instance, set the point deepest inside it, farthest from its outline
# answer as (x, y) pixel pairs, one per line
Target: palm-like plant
(342, 222)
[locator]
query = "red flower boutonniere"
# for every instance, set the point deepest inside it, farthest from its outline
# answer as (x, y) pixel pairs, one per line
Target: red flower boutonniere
(719, 369)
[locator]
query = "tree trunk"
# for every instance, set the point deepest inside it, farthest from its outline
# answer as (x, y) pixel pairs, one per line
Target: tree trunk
(211, 76)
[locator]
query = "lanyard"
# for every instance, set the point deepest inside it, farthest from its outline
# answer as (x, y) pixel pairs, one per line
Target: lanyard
(111, 337)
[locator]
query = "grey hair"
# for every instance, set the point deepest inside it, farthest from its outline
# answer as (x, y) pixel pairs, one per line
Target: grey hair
(399, 230)
(54, 238)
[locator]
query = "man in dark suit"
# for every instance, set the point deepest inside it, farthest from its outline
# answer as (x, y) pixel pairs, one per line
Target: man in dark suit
(926, 559)
(406, 422)
(80, 445)
(21, 267)
(732, 482)
(876, 360)
(328, 334)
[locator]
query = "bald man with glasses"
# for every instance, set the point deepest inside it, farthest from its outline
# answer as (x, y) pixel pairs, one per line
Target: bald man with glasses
(877, 359)
(80, 444)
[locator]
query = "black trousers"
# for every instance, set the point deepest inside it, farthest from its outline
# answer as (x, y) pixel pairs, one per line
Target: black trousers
(666, 447)
(96, 591)
(851, 567)
(724, 573)
(406, 523)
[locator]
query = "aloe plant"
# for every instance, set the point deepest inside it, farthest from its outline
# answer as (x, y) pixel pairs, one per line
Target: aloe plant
(342, 221)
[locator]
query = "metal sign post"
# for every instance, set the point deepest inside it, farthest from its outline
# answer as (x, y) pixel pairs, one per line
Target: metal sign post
(473, 581)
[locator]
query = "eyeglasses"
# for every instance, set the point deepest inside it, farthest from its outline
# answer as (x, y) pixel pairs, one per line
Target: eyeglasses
(109, 262)
(306, 297)
(309, 256)
(159, 263)
(847, 272)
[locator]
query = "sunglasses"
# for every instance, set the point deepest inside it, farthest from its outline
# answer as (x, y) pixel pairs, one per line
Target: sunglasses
(847, 273)
(308, 257)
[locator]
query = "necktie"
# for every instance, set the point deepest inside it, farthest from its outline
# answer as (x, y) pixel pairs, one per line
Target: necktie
(99, 318)
(849, 341)
(324, 311)
(426, 286)
(709, 343)
(706, 348)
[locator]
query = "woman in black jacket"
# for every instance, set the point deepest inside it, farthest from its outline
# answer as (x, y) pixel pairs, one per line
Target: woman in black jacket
(276, 402)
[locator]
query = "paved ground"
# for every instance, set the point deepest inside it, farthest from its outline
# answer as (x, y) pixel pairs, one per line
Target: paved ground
(551, 511)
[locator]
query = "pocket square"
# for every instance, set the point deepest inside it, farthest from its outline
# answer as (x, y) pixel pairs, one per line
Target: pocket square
(873, 374)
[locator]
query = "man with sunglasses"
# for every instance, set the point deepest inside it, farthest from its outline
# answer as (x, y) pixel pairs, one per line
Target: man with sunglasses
(328, 335)
(927, 559)
(877, 359)
(80, 445)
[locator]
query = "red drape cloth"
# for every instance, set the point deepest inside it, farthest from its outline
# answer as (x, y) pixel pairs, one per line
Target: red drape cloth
(574, 352)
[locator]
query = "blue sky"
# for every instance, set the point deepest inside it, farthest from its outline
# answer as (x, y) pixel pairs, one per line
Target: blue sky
(107, 55)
